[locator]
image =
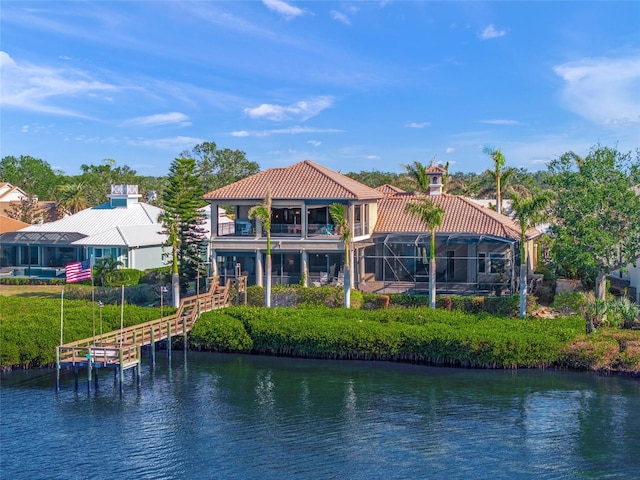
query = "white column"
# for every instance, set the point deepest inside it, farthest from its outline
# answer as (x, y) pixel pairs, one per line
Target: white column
(259, 269)
(305, 267)
(214, 220)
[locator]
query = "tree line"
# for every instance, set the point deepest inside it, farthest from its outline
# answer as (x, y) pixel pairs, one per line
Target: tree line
(591, 203)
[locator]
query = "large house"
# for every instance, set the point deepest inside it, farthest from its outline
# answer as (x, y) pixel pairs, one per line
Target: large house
(305, 243)
(477, 249)
(123, 228)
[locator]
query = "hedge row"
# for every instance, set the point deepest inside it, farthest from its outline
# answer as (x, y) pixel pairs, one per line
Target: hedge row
(28, 336)
(415, 335)
(293, 295)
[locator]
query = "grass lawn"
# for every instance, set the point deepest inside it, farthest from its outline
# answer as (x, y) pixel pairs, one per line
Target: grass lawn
(37, 291)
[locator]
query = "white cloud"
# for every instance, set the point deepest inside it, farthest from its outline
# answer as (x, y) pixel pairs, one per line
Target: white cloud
(302, 110)
(491, 32)
(284, 131)
(372, 157)
(340, 17)
(500, 122)
(450, 150)
(160, 119)
(417, 124)
(283, 8)
(35, 88)
(315, 143)
(178, 144)
(602, 90)
(240, 133)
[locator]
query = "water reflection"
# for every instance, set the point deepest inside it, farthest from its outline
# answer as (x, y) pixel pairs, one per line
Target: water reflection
(227, 416)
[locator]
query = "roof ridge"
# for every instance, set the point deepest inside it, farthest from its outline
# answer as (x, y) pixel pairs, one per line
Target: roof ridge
(330, 174)
(121, 234)
(146, 211)
(493, 215)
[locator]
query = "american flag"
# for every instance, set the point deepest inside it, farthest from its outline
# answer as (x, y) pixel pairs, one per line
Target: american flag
(78, 271)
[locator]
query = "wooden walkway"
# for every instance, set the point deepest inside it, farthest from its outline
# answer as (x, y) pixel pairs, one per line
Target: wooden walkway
(120, 349)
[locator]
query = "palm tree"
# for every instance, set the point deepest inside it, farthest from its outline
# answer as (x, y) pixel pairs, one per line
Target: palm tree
(105, 270)
(338, 214)
(419, 176)
(528, 211)
(432, 215)
(263, 213)
(73, 197)
(498, 173)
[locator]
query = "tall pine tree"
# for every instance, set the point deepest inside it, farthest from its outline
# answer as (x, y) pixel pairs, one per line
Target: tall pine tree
(183, 220)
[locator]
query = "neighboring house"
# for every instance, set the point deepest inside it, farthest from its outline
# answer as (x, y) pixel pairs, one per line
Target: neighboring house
(123, 228)
(11, 198)
(629, 279)
(477, 248)
(10, 225)
(10, 193)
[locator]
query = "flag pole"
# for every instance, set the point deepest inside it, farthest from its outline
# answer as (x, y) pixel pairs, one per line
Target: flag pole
(121, 315)
(61, 315)
(93, 300)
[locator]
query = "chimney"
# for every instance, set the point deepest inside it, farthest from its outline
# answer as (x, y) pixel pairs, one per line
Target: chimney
(435, 179)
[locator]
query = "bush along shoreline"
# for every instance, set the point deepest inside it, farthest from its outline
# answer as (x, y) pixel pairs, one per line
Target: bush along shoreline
(472, 332)
(418, 335)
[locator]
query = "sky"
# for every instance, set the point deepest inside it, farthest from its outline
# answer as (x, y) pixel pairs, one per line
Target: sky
(355, 86)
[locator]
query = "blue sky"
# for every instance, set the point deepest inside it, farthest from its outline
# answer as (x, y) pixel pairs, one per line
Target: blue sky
(351, 85)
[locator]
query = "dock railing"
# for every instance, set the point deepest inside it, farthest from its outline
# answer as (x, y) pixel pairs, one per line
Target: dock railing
(121, 348)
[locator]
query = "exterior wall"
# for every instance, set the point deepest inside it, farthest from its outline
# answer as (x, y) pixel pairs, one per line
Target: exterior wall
(634, 278)
(146, 257)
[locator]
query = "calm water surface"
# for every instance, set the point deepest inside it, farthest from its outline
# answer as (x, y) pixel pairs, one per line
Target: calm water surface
(248, 417)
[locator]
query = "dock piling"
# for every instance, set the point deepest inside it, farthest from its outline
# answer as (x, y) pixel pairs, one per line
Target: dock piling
(57, 369)
(153, 348)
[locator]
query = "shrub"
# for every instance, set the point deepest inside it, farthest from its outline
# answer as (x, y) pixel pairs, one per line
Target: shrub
(127, 276)
(157, 276)
(418, 334)
(142, 295)
(507, 306)
(568, 303)
(255, 296)
(624, 312)
(217, 331)
(444, 302)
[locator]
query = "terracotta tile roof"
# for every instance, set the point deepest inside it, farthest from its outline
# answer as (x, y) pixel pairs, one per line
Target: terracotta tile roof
(461, 216)
(389, 189)
(436, 169)
(303, 180)
(10, 225)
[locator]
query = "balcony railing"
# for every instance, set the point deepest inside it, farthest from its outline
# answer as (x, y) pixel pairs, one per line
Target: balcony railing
(245, 228)
(286, 230)
(320, 230)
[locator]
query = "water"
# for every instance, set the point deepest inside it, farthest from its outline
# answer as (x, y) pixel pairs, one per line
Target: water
(249, 417)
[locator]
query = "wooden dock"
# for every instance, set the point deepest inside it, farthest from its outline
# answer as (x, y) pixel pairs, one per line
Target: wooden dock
(121, 349)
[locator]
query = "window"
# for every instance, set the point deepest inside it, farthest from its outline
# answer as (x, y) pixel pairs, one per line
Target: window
(497, 262)
(29, 255)
(482, 263)
(450, 264)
